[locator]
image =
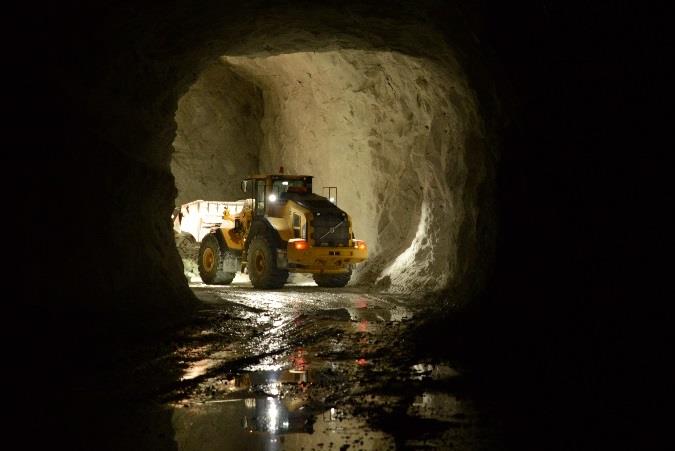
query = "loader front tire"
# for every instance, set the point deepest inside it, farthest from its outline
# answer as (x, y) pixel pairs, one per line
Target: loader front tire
(262, 264)
(210, 263)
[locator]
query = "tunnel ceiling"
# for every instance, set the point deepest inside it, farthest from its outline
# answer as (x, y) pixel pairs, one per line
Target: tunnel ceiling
(144, 59)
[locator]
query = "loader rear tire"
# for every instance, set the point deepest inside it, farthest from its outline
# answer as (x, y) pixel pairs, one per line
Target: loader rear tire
(210, 263)
(332, 280)
(262, 264)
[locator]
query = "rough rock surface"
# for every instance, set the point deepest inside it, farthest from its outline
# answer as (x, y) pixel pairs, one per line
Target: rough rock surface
(393, 133)
(217, 137)
(396, 134)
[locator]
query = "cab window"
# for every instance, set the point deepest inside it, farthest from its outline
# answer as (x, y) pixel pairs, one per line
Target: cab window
(282, 186)
(296, 226)
(260, 197)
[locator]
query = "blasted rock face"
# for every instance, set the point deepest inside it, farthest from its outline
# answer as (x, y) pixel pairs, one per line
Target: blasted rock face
(218, 135)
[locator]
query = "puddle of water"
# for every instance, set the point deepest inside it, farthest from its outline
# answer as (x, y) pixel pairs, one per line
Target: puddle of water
(272, 415)
(267, 376)
(272, 404)
(267, 410)
(271, 424)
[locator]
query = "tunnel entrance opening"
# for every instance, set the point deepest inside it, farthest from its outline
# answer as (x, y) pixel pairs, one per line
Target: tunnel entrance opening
(398, 135)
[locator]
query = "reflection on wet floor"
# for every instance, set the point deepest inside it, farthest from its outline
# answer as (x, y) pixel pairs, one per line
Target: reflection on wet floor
(269, 410)
(267, 424)
(313, 374)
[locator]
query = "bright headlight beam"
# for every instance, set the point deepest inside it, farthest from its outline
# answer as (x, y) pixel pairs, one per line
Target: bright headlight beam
(272, 197)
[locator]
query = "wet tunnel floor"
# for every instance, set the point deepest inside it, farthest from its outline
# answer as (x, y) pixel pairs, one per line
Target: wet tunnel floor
(305, 368)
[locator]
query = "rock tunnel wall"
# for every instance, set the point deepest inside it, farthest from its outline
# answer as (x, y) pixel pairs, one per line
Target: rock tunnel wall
(218, 135)
(393, 133)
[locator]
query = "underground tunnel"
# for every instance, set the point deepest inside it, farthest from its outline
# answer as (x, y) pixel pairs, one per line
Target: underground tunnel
(399, 136)
(456, 142)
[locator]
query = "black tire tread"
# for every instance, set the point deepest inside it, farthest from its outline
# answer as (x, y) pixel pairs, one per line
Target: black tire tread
(274, 277)
(217, 277)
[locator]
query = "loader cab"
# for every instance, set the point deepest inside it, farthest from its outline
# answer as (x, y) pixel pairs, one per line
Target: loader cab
(270, 191)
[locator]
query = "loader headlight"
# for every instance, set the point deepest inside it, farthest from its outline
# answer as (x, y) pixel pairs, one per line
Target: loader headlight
(359, 244)
(272, 198)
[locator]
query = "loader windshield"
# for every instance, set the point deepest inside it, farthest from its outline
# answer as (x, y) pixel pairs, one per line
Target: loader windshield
(281, 186)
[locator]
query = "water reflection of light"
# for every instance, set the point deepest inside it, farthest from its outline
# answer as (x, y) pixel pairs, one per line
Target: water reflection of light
(298, 361)
(333, 419)
(272, 389)
(272, 415)
(269, 363)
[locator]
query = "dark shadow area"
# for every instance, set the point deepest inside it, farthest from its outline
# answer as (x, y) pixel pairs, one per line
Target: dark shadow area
(569, 335)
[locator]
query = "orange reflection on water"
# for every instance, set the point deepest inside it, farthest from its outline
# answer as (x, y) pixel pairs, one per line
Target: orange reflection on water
(298, 360)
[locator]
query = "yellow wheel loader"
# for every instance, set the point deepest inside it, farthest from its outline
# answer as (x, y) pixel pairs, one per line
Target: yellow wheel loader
(282, 227)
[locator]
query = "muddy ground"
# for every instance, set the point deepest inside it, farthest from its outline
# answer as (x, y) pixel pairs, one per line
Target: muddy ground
(301, 368)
